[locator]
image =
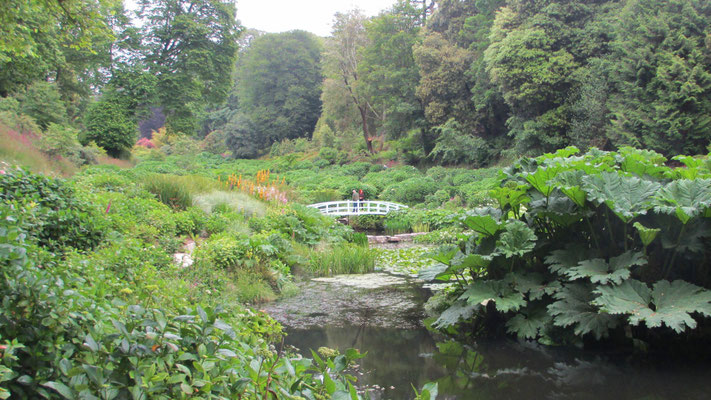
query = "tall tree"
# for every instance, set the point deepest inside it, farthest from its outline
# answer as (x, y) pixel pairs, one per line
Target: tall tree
(278, 87)
(190, 45)
(388, 72)
(344, 55)
(661, 76)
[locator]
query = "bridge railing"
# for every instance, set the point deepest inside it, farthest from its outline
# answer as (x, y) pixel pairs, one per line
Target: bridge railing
(350, 207)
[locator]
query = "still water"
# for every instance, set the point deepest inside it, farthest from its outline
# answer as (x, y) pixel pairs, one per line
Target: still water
(381, 314)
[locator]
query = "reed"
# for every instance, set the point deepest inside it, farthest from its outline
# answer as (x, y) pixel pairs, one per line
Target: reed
(342, 258)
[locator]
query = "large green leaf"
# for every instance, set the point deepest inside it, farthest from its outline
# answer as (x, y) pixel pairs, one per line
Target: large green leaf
(642, 162)
(601, 271)
(684, 198)
(540, 179)
(483, 220)
(510, 196)
(532, 284)
(573, 307)
(529, 325)
(669, 304)
(518, 239)
(570, 182)
(505, 298)
(626, 196)
(560, 261)
(647, 235)
(457, 311)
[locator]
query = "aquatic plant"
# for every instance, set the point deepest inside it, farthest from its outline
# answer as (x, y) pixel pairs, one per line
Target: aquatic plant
(342, 258)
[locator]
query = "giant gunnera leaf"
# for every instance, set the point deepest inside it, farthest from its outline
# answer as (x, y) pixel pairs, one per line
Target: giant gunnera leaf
(573, 307)
(457, 311)
(601, 271)
(518, 239)
(483, 220)
(559, 261)
(669, 304)
(505, 298)
(627, 196)
(530, 324)
(684, 198)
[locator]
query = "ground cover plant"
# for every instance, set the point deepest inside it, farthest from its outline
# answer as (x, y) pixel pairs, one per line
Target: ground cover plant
(88, 313)
(586, 247)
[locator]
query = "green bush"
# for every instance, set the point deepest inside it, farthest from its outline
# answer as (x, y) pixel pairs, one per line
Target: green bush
(109, 124)
(58, 218)
(381, 179)
(324, 195)
(410, 191)
(367, 222)
(223, 251)
(329, 154)
(190, 222)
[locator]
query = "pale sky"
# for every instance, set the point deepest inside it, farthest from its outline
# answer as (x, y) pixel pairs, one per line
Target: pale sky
(315, 16)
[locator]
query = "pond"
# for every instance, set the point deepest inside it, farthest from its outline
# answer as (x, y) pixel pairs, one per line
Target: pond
(381, 313)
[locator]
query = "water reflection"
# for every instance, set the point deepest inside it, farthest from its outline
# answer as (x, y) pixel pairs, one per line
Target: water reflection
(396, 357)
(385, 322)
(503, 369)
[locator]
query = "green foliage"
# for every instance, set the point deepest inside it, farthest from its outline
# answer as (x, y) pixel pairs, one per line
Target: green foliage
(236, 201)
(109, 124)
(107, 322)
(553, 262)
(410, 191)
(342, 258)
(454, 147)
(42, 102)
(168, 191)
(190, 47)
(55, 217)
(277, 90)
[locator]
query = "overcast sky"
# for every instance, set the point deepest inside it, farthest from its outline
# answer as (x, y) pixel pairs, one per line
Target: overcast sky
(315, 16)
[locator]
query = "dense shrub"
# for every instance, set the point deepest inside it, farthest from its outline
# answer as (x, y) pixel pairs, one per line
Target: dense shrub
(109, 124)
(57, 217)
(410, 191)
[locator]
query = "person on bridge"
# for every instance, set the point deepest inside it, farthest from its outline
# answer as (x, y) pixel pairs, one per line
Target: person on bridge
(361, 197)
(355, 200)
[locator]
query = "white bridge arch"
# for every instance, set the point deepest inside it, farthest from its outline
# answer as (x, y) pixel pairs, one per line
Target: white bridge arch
(350, 207)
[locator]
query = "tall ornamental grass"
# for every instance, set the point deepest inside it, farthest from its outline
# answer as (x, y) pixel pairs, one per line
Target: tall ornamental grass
(342, 258)
(218, 201)
(169, 191)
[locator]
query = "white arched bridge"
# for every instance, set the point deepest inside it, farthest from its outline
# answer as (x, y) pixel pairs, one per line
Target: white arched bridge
(350, 207)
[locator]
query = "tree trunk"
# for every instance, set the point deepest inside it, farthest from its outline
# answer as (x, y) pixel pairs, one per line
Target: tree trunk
(366, 129)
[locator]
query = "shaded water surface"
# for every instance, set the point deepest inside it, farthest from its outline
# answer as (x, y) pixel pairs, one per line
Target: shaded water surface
(381, 314)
